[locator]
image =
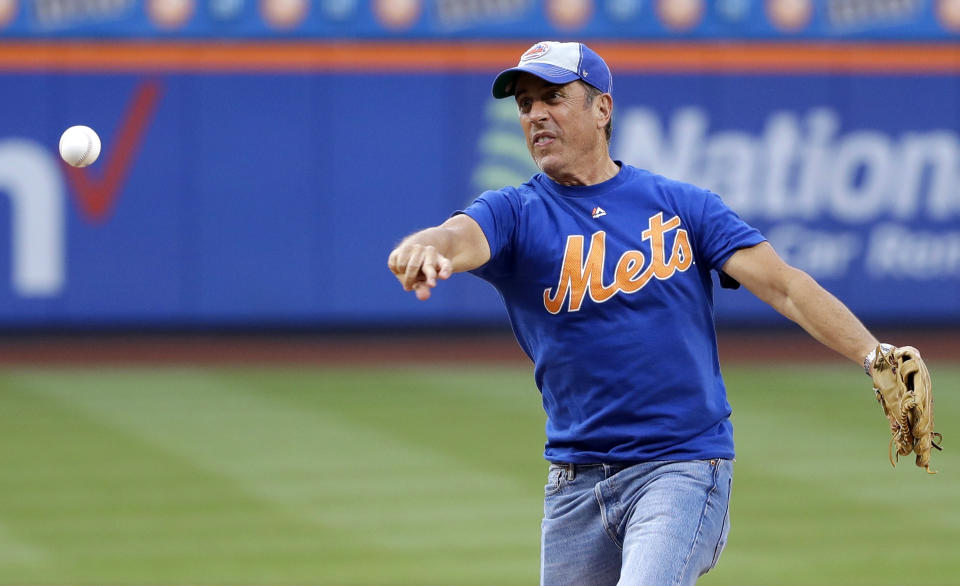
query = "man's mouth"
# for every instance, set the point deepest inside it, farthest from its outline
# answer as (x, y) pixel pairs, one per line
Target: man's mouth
(543, 138)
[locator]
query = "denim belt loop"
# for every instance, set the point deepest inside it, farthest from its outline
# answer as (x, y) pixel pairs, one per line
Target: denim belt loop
(571, 471)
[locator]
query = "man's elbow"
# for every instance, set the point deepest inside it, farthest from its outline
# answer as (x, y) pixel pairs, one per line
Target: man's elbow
(795, 286)
(783, 287)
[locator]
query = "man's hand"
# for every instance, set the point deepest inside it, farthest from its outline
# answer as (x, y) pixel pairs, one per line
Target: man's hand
(417, 262)
(418, 267)
(901, 382)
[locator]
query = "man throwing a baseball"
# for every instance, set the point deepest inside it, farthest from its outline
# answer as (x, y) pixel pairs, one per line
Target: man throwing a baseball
(606, 273)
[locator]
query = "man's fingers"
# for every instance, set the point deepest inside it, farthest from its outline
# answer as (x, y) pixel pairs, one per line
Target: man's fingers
(412, 269)
(422, 290)
(418, 267)
(446, 268)
(429, 274)
(429, 265)
(392, 261)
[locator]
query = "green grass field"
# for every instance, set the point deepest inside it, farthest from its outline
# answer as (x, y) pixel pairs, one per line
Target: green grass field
(425, 475)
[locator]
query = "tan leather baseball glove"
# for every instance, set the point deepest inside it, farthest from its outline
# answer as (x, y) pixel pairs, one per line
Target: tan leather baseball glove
(902, 383)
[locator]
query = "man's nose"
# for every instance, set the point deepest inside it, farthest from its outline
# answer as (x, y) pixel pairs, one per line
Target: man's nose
(538, 110)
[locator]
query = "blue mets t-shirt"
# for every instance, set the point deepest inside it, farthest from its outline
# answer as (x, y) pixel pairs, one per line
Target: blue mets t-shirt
(609, 291)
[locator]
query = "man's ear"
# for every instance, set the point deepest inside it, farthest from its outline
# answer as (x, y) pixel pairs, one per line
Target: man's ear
(604, 109)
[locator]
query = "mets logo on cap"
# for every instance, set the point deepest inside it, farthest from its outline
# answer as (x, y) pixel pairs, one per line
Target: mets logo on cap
(535, 52)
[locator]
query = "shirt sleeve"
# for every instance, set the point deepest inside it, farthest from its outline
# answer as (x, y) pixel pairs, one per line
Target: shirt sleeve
(497, 213)
(723, 232)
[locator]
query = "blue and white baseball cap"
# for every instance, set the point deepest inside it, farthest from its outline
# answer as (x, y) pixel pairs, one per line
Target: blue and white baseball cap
(557, 63)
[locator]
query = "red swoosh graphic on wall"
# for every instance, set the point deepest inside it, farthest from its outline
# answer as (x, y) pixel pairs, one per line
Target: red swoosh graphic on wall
(96, 196)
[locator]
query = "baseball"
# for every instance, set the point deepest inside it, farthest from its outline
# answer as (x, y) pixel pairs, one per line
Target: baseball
(79, 146)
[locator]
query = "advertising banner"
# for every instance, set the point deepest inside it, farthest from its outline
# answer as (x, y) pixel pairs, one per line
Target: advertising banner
(273, 199)
(483, 19)
(860, 191)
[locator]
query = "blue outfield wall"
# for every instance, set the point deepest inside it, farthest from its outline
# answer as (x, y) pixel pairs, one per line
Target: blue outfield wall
(274, 199)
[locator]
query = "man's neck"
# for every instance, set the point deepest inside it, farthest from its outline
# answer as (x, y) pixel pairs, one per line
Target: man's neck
(591, 175)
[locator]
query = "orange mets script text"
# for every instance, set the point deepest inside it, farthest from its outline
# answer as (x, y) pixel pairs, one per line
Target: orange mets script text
(578, 276)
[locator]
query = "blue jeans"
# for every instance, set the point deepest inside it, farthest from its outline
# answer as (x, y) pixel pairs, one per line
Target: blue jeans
(649, 524)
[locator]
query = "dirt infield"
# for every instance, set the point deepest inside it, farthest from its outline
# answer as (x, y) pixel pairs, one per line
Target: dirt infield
(395, 348)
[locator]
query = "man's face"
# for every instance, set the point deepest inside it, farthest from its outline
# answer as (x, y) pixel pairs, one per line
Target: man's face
(559, 124)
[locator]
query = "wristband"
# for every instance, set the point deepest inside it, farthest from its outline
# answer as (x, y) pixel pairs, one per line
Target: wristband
(868, 360)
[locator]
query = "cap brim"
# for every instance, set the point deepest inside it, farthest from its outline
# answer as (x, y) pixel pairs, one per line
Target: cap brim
(503, 85)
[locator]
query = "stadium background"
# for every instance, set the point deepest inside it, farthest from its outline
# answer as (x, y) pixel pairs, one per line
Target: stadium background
(210, 377)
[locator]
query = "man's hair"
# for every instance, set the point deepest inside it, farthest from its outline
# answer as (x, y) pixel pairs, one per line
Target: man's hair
(592, 93)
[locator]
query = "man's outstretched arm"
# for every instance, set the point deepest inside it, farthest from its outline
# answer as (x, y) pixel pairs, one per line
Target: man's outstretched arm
(797, 296)
(455, 246)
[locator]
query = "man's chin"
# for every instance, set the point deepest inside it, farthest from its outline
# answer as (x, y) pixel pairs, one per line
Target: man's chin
(550, 165)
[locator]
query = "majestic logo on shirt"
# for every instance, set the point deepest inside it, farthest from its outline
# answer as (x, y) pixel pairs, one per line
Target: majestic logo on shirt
(580, 276)
(597, 212)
